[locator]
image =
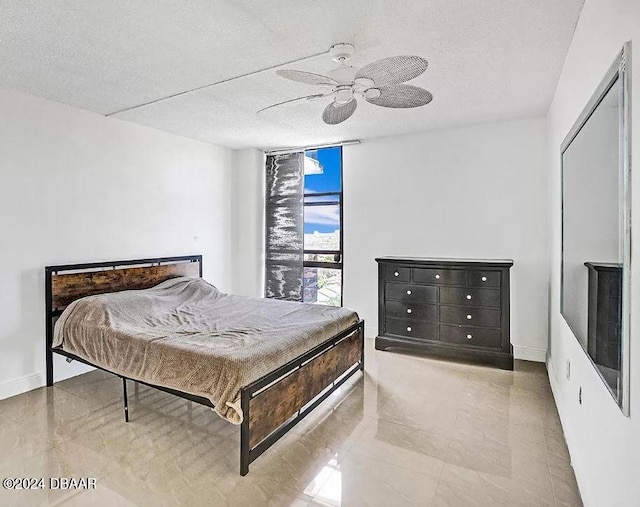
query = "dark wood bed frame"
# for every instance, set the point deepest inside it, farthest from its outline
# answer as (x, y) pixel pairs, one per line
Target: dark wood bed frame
(271, 405)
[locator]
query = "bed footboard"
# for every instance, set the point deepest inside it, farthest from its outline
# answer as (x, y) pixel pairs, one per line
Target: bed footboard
(275, 403)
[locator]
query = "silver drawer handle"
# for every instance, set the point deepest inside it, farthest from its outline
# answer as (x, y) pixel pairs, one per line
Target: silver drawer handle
(437, 277)
(409, 329)
(484, 278)
(409, 292)
(468, 296)
(408, 310)
(469, 337)
(396, 274)
(469, 317)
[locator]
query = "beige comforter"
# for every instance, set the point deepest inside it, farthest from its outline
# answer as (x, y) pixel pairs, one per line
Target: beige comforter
(187, 335)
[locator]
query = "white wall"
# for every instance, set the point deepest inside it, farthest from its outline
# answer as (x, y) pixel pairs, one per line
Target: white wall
(472, 192)
(247, 222)
(604, 445)
(78, 187)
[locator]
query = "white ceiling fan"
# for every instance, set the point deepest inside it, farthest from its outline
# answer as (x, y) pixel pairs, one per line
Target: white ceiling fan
(379, 83)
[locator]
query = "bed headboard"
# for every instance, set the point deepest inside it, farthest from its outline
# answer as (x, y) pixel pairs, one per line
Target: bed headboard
(66, 283)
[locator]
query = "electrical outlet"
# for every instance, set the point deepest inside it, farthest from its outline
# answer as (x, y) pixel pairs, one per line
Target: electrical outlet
(568, 369)
(580, 395)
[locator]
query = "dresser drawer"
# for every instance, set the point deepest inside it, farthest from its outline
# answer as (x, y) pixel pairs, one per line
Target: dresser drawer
(409, 310)
(407, 292)
(470, 297)
(470, 316)
(471, 336)
(412, 328)
(484, 278)
(394, 273)
(440, 276)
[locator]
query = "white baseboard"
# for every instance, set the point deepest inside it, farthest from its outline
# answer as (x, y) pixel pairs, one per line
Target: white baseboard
(574, 452)
(63, 371)
(20, 385)
(529, 354)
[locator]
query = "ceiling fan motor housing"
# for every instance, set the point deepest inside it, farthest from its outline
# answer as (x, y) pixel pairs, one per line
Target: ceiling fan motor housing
(344, 94)
(341, 52)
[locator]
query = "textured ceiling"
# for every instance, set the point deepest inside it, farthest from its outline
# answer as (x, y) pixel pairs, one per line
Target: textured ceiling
(490, 60)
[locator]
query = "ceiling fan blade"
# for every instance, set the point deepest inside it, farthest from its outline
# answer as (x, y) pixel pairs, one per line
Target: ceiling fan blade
(306, 77)
(393, 70)
(308, 98)
(336, 113)
(401, 96)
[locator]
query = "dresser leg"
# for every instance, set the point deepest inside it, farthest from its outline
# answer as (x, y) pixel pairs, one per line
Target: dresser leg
(380, 343)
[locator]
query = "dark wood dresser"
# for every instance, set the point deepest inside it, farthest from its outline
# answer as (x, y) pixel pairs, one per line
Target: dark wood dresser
(456, 308)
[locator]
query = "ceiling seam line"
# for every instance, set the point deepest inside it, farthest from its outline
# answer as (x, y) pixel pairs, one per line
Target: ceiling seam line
(179, 94)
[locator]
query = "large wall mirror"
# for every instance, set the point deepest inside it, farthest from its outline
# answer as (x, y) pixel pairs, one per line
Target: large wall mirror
(596, 233)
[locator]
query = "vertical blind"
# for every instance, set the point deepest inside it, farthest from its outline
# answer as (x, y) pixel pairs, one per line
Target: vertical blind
(284, 241)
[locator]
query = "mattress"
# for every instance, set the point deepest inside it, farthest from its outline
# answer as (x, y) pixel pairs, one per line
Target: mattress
(187, 335)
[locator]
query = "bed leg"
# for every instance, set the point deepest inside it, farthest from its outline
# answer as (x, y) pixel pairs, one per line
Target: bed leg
(244, 434)
(362, 344)
(49, 360)
(126, 400)
(244, 465)
(49, 323)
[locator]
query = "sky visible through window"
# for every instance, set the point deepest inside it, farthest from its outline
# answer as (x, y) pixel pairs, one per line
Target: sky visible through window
(323, 219)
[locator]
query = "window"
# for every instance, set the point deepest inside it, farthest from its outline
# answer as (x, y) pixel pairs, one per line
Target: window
(323, 226)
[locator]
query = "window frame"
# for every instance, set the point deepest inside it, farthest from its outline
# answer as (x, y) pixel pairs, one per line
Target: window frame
(340, 203)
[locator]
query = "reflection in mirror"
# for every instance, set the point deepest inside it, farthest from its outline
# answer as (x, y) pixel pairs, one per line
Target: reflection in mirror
(591, 245)
(594, 233)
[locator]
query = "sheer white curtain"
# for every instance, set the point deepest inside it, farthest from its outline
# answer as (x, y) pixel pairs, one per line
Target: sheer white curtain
(284, 241)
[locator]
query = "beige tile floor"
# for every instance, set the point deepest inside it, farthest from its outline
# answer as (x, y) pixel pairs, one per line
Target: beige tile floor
(411, 431)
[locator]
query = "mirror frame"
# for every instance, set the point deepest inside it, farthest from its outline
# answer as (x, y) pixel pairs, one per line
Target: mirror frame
(619, 70)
